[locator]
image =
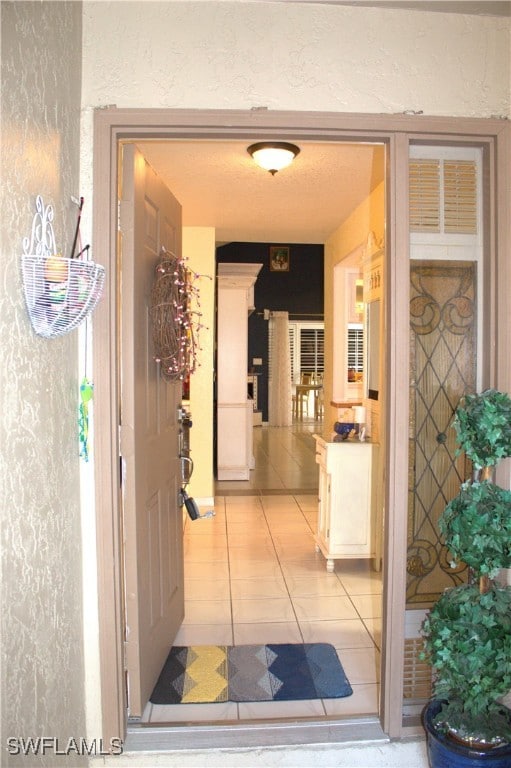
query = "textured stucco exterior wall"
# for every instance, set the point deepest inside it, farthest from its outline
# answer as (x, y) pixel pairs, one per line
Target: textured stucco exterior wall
(42, 645)
(294, 56)
(219, 54)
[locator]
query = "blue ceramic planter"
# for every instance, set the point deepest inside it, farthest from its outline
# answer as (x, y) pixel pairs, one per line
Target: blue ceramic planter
(443, 752)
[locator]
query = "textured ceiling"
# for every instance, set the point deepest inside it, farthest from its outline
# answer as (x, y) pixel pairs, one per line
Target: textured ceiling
(219, 185)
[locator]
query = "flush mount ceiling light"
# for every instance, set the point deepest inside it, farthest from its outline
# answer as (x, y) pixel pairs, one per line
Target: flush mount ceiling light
(273, 155)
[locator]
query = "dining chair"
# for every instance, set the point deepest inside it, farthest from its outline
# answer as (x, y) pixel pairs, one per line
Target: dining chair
(301, 398)
(319, 404)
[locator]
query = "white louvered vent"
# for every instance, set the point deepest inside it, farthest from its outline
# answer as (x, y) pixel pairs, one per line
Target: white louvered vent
(460, 197)
(424, 195)
(443, 196)
(417, 674)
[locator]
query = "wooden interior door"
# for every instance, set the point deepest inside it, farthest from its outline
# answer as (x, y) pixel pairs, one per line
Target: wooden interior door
(150, 218)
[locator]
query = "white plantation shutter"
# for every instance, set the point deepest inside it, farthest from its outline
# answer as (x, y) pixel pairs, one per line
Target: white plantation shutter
(460, 197)
(443, 195)
(312, 350)
(424, 195)
(356, 347)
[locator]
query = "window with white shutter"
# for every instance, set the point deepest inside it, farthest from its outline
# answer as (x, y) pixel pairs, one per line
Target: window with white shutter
(356, 347)
(312, 349)
(306, 345)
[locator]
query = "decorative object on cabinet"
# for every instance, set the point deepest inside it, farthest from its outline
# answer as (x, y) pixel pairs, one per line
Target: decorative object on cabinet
(175, 325)
(360, 416)
(344, 429)
(279, 258)
(59, 292)
(349, 523)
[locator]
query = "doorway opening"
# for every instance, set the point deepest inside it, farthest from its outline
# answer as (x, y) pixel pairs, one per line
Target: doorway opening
(394, 132)
(298, 601)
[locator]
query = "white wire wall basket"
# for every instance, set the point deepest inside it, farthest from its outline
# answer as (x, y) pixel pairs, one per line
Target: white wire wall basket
(59, 292)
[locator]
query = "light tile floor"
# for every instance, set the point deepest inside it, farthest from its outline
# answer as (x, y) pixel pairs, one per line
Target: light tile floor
(284, 461)
(252, 575)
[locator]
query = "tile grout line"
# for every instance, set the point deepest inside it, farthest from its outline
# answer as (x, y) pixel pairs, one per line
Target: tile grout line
(284, 577)
(299, 438)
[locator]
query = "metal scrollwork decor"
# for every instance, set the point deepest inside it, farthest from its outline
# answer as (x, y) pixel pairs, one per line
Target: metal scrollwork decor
(59, 292)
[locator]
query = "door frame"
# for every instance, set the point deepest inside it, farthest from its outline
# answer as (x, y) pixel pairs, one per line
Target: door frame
(395, 132)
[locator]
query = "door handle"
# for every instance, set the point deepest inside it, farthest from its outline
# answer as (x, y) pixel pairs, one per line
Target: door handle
(186, 475)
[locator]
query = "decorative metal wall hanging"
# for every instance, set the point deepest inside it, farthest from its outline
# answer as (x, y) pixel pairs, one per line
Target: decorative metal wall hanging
(59, 292)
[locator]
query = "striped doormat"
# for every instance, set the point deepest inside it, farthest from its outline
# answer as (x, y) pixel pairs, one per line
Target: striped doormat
(200, 674)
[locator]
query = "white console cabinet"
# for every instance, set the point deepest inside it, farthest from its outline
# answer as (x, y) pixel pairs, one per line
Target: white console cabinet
(349, 524)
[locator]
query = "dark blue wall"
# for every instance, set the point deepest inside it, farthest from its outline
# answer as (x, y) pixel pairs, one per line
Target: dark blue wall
(298, 291)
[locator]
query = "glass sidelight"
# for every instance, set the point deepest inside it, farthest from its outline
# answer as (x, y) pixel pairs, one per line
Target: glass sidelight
(445, 318)
(442, 369)
(445, 289)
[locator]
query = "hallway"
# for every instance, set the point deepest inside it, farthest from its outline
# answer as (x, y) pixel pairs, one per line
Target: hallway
(284, 462)
(252, 575)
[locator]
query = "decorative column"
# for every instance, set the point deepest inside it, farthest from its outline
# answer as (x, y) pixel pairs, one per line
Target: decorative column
(235, 301)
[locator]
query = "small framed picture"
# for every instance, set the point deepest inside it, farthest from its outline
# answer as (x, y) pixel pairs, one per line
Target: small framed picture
(279, 258)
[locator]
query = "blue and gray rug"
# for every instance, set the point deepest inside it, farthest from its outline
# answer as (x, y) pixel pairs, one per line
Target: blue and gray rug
(283, 672)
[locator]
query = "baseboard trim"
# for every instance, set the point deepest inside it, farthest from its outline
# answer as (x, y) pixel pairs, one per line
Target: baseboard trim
(205, 501)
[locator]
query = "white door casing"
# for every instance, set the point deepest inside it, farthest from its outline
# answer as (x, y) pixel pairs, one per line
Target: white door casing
(113, 125)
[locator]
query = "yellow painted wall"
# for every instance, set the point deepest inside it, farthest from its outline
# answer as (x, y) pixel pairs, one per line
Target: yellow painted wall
(350, 235)
(199, 249)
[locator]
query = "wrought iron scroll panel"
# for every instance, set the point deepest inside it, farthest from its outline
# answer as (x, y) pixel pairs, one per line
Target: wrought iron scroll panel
(442, 369)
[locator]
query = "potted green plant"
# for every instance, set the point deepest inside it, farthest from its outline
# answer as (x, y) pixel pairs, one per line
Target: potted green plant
(467, 633)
